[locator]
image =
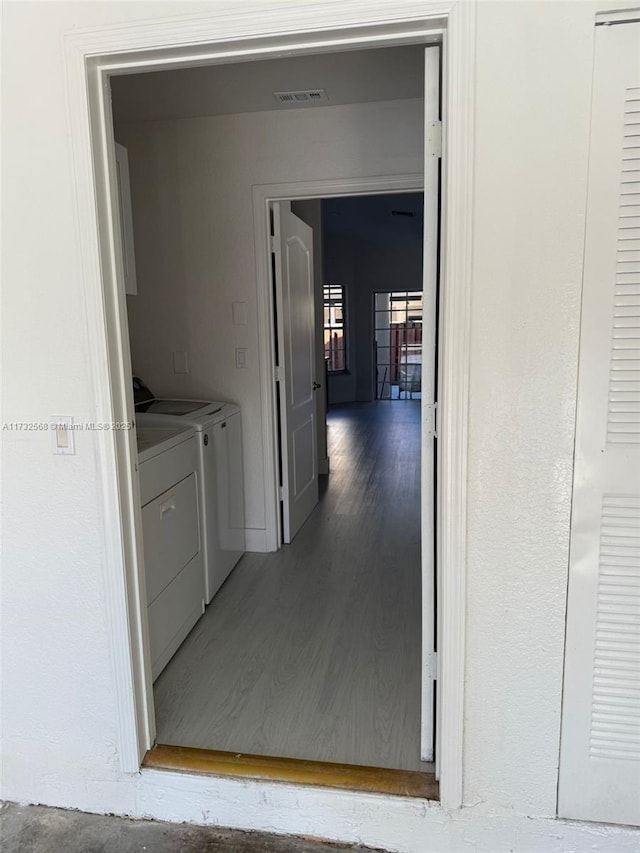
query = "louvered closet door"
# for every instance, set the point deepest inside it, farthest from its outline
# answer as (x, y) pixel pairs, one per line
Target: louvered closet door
(600, 749)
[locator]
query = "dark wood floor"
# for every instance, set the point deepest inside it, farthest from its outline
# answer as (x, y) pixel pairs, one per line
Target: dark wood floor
(314, 652)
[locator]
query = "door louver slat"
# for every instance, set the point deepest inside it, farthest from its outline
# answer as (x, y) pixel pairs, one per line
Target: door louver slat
(624, 372)
(615, 726)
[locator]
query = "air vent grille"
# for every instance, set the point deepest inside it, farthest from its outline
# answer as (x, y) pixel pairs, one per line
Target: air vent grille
(302, 97)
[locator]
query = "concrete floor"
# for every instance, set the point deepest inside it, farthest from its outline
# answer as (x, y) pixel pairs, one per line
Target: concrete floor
(38, 829)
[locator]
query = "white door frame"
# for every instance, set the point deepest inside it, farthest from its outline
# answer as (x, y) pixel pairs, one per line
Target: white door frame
(233, 33)
(263, 195)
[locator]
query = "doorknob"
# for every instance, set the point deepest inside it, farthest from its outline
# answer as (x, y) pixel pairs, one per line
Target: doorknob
(316, 385)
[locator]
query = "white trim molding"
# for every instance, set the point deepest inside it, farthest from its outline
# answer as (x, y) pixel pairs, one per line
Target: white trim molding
(239, 32)
(263, 194)
(629, 14)
(453, 395)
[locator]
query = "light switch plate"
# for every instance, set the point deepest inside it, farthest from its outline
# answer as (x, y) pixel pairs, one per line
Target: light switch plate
(241, 357)
(62, 435)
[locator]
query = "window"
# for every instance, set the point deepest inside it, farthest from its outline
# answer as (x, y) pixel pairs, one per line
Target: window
(335, 350)
(397, 326)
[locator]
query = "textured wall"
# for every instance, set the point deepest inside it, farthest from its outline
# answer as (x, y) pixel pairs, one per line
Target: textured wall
(532, 114)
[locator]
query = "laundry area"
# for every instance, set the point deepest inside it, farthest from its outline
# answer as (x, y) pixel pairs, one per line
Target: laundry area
(192, 499)
(282, 351)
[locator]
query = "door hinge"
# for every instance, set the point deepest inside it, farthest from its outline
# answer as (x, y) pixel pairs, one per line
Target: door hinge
(274, 243)
(283, 493)
(431, 665)
(434, 139)
(278, 374)
(432, 420)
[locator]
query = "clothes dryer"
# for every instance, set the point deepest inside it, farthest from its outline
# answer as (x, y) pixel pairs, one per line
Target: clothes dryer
(220, 469)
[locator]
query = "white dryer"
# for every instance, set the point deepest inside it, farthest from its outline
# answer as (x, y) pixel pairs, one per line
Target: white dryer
(220, 482)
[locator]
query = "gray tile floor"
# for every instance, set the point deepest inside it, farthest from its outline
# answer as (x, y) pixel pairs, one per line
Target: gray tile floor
(37, 829)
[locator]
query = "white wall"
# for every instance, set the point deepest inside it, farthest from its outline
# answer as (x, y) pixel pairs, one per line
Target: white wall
(533, 92)
(365, 267)
(60, 740)
(191, 183)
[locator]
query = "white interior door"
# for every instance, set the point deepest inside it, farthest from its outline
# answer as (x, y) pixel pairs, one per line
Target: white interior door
(293, 253)
(600, 744)
(429, 386)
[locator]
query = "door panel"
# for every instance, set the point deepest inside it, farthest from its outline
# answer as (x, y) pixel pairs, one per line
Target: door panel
(296, 338)
(303, 443)
(600, 743)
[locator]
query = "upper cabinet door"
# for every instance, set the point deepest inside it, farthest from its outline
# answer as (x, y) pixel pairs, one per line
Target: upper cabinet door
(600, 748)
(126, 220)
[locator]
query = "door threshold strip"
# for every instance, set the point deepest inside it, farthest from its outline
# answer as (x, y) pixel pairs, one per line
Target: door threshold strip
(352, 777)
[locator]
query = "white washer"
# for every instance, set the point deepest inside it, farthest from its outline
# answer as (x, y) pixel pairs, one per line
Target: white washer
(220, 482)
(172, 538)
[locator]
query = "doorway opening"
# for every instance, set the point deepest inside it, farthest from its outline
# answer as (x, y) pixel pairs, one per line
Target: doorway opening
(99, 74)
(314, 652)
(378, 590)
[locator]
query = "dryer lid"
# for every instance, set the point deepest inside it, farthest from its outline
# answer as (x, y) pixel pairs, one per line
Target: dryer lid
(172, 407)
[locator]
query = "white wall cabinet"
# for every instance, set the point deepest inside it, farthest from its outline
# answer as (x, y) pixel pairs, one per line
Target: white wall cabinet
(126, 220)
(600, 747)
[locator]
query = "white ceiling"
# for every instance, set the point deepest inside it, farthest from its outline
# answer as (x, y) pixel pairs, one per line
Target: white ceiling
(348, 78)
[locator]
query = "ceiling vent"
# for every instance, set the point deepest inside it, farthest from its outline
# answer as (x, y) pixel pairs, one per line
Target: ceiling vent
(303, 96)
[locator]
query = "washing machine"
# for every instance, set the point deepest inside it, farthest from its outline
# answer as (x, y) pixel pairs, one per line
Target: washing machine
(220, 481)
(172, 538)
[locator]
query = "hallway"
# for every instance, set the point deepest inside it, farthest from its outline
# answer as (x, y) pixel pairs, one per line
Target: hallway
(314, 652)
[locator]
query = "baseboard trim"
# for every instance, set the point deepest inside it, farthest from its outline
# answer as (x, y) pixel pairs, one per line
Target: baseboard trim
(403, 783)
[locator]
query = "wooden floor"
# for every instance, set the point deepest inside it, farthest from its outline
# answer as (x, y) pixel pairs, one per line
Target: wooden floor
(314, 652)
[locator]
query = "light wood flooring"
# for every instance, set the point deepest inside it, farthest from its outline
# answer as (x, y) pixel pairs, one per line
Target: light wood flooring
(314, 652)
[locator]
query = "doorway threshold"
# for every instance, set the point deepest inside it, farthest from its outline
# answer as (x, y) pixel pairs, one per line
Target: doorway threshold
(352, 777)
